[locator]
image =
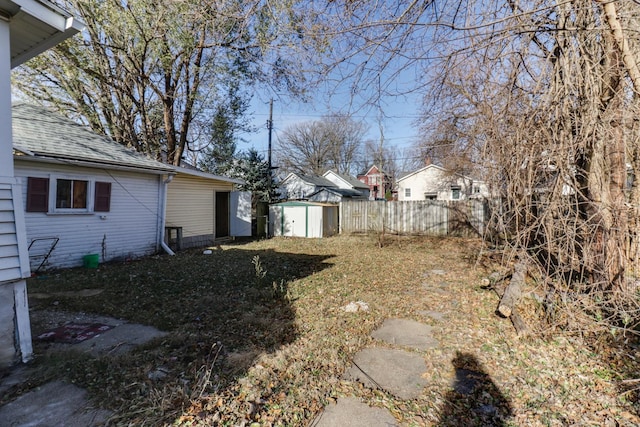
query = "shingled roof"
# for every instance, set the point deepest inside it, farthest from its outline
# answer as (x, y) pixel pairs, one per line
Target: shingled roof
(39, 133)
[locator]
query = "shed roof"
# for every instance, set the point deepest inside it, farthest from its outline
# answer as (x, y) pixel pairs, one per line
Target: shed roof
(302, 203)
(39, 133)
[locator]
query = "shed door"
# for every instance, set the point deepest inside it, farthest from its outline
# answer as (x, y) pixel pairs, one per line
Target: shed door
(295, 221)
(241, 213)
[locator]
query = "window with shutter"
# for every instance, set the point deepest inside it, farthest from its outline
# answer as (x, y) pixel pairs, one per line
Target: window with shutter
(102, 197)
(37, 194)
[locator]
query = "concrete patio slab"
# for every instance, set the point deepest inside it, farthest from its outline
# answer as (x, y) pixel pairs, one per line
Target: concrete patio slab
(119, 340)
(406, 333)
(396, 371)
(54, 404)
(351, 412)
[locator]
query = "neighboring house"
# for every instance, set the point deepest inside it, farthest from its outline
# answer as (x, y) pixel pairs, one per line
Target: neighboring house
(348, 183)
(301, 187)
(334, 195)
(27, 28)
(85, 192)
(206, 208)
(377, 181)
(433, 182)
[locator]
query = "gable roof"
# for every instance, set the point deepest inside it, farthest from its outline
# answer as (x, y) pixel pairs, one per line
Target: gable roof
(355, 183)
(342, 192)
(432, 166)
(40, 134)
(371, 168)
(317, 181)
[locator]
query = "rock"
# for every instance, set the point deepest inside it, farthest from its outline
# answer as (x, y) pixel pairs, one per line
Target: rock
(354, 307)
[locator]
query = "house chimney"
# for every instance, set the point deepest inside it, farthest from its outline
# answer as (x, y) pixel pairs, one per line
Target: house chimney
(427, 161)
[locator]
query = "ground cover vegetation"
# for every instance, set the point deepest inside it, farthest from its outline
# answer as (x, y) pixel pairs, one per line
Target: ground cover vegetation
(257, 333)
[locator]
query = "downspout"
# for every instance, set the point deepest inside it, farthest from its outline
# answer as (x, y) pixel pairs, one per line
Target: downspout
(163, 213)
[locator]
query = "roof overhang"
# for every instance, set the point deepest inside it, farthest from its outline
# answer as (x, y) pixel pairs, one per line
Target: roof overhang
(201, 174)
(21, 155)
(35, 26)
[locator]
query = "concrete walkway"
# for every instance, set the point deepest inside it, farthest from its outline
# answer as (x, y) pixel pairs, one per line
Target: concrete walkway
(399, 370)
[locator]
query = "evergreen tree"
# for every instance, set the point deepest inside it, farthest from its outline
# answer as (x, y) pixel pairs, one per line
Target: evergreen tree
(254, 170)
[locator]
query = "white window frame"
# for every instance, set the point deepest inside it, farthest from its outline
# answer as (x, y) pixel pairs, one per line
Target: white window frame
(407, 193)
(53, 189)
(456, 189)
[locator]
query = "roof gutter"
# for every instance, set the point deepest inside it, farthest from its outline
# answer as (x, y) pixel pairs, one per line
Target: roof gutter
(93, 165)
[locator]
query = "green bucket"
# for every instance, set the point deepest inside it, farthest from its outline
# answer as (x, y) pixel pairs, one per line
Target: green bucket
(91, 261)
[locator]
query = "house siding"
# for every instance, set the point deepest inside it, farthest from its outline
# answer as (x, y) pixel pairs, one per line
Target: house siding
(191, 205)
(433, 181)
(128, 230)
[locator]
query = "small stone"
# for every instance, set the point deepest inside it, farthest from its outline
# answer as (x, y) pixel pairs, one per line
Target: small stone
(354, 307)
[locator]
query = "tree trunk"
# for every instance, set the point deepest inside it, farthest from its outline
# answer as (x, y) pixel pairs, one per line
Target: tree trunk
(513, 292)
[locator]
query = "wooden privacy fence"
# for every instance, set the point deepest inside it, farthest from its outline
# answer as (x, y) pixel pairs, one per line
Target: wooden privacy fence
(421, 217)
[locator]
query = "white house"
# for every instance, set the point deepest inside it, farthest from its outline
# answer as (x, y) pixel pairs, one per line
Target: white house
(85, 193)
(433, 182)
(27, 28)
(348, 183)
(300, 187)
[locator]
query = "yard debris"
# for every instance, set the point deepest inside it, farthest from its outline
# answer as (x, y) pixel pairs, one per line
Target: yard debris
(289, 351)
(356, 306)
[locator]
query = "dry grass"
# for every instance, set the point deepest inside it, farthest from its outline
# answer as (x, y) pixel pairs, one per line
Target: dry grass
(265, 340)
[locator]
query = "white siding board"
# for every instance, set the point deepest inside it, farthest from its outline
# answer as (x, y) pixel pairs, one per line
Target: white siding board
(10, 274)
(7, 216)
(128, 230)
(6, 204)
(9, 239)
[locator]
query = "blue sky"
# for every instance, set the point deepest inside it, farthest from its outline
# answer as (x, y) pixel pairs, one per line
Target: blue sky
(399, 127)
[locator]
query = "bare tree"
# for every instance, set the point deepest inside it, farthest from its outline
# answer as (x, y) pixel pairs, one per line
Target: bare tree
(543, 97)
(315, 147)
(151, 74)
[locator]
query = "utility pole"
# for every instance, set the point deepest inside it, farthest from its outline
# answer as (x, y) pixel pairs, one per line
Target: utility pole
(270, 127)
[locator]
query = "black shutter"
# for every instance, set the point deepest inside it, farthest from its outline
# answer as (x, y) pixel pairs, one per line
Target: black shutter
(102, 197)
(37, 194)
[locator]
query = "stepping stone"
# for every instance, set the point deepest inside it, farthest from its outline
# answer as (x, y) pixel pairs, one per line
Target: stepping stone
(350, 412)
(406, 333)
(54, 404)
(395, 371)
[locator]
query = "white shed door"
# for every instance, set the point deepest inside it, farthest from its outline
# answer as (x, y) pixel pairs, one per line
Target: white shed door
(240, 213)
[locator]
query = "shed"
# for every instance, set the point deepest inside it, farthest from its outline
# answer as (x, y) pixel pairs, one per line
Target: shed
(303, 219)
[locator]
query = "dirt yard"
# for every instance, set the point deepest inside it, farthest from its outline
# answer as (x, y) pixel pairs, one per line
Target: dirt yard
(259, 335)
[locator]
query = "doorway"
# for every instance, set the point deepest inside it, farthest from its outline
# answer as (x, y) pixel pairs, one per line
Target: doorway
(222, 214)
